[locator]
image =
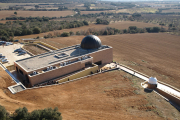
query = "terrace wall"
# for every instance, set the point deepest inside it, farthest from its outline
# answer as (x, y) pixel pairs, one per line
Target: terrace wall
(104, 55)
(42, 77)
(80, 74)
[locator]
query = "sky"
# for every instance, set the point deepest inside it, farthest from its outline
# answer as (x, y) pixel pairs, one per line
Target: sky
(140, 0)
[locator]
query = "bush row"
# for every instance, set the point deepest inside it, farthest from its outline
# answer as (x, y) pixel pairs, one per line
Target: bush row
(23, 114)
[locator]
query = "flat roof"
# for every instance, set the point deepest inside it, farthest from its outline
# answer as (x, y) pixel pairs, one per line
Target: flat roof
(53, 57)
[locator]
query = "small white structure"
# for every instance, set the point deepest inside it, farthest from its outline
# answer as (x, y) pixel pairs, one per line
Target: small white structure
(152, 83)
(152, 80)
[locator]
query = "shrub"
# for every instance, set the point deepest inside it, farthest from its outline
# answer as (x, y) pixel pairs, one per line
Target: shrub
(85, 22)
(65, 34)
(36, 30)
(4, 38)
(71, 33)
(21, 113)
(3, 113)
(78, 33)
(132, 28)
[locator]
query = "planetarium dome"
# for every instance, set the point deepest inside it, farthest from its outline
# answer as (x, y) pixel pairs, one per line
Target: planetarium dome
(90, 42)
(152, 80)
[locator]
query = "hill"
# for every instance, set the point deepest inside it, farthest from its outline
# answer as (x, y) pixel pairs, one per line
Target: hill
(113, 95)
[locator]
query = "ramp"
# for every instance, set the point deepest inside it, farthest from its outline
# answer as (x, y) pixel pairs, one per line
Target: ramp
(15, 88)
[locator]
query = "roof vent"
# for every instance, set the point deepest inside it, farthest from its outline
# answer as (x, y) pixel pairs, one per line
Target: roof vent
(47, 68)
(51, 67)
(34, 72)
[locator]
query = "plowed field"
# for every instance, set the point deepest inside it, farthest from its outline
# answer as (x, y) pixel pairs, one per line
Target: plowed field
(4, 14)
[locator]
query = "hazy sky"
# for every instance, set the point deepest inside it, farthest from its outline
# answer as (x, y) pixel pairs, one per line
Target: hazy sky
(139, 0)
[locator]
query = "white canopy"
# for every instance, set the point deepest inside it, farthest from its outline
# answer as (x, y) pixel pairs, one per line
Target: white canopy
(152, 80)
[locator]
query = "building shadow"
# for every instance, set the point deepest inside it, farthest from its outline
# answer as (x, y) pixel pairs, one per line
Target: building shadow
(148, 90)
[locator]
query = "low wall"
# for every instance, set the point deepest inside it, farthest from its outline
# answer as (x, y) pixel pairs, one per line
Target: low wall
(28, 51)
(80, 74)
(49, 46)
(11, 67)
(170, 97)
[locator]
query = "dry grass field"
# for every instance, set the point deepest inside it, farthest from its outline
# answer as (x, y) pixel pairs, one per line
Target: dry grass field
(6, 5)
(118, 25)
(171, 10)
(137, 10)
(92, 12)
(4, 14)
(112, 95)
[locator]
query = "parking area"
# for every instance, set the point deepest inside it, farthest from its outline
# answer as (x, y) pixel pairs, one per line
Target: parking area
(8, 52)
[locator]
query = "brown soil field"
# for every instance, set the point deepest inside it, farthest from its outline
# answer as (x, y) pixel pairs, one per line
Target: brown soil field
(109, 95)
(118, 25)
(4, 14)
(34, 50)
(5, 79)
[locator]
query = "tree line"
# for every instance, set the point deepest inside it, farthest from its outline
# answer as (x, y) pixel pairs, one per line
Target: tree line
(35, 26)
(23, 114)
(107, 31)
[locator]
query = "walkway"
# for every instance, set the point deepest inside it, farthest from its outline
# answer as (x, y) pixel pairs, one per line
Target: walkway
(143, 77)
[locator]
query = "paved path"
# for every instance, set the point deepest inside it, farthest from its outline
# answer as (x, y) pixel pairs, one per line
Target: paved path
(160, 86)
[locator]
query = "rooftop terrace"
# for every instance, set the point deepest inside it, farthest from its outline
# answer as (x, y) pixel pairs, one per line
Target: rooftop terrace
(53, 57)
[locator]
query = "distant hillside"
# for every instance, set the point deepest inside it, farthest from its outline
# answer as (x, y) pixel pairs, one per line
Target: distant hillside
(42, 1)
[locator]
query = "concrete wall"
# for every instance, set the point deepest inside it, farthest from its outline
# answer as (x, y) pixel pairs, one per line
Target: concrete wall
(42, 77)
(80, 74)
(104, 55)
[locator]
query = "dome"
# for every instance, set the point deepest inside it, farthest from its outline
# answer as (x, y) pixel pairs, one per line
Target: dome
(152, 80)
(90, 42)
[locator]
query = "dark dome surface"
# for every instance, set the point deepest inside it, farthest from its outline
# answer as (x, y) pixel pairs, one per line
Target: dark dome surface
(90, 42)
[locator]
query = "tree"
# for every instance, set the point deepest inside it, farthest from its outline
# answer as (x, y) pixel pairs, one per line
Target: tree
(15, 13)
(156, 29)
(98, 21)
(21, 113)
(85, 22)
(65, 34)
(36, 6)
(71, 33)
(132, 28)
(3, 113)
(36, 30)
(78, 33)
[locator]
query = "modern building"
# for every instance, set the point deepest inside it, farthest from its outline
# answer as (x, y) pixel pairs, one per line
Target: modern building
(54, 64)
